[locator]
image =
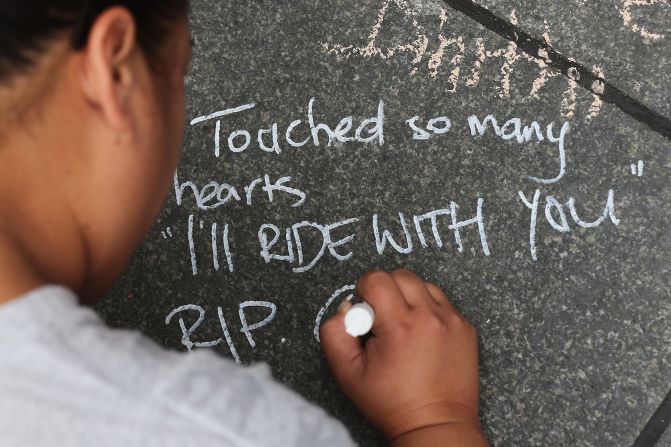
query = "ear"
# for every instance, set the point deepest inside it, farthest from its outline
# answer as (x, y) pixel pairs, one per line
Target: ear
(108, 69)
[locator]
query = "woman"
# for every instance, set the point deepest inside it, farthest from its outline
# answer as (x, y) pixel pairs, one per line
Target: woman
(92, 106)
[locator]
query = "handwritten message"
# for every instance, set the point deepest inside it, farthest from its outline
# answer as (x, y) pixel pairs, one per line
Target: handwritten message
(303, 245)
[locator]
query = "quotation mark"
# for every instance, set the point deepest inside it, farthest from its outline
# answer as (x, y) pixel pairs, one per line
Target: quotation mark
(637, 168)
(166, 233)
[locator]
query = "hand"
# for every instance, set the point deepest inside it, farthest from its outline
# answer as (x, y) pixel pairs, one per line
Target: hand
(416, 378)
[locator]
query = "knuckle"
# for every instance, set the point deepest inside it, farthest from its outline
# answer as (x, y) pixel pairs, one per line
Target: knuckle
(435, 289)
(405, 326)
(434, 324)
(456, 320)
(459, 322)
(428, 322)
(404, 275)
(400, 272)
(371, 278)
(377, 289)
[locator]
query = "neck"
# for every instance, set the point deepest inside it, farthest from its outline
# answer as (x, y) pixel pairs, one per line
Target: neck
(40, 239)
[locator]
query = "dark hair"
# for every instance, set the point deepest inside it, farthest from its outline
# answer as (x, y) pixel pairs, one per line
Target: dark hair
(27, 25)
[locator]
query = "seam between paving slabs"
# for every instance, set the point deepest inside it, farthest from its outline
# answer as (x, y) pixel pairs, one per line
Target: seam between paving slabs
(568, 67)
(656, 426)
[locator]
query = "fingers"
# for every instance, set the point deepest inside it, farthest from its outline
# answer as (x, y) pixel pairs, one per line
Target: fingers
(413, 288)
(381, 291)
(343, 352)
(392, 295)
(437, 294)
(450, 314)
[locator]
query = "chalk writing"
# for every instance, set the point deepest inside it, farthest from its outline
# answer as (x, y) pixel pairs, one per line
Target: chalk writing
(188, 333)
(512, 129)
(553, 205)
(455, 227)
(370, 130)
(464, 56)
(637, 168)
(300, 247)
(295, 250)
(280, 244)
(214, 194)
(246, 328)
(627, 19)
(320, 315)
(436, 126)
(214, 235)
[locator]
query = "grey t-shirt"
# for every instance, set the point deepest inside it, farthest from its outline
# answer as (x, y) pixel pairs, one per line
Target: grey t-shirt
(66, 380)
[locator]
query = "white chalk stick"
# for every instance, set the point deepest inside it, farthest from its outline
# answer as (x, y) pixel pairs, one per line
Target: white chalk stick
(359, 319)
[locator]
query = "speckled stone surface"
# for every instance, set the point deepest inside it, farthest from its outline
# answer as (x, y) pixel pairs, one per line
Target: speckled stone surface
(665, 440)
(575, 346)
(629, 41)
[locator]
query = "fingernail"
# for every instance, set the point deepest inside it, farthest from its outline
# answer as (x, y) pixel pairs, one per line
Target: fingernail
(344, 306)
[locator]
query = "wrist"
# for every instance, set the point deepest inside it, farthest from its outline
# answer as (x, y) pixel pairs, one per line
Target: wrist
(441, 414)
(443, 435)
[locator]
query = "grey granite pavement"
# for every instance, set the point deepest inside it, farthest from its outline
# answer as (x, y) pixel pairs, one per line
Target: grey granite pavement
(627, 41)
(665, 440)
(575, 329)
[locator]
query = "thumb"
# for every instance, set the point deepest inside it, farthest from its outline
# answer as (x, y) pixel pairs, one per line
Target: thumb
(343, 352)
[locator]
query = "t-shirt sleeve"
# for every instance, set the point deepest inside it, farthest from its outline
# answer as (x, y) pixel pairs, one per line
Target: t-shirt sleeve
(69, 380)
(244, 405)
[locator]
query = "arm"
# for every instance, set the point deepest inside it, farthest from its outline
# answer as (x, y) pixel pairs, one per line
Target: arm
(416, 378)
